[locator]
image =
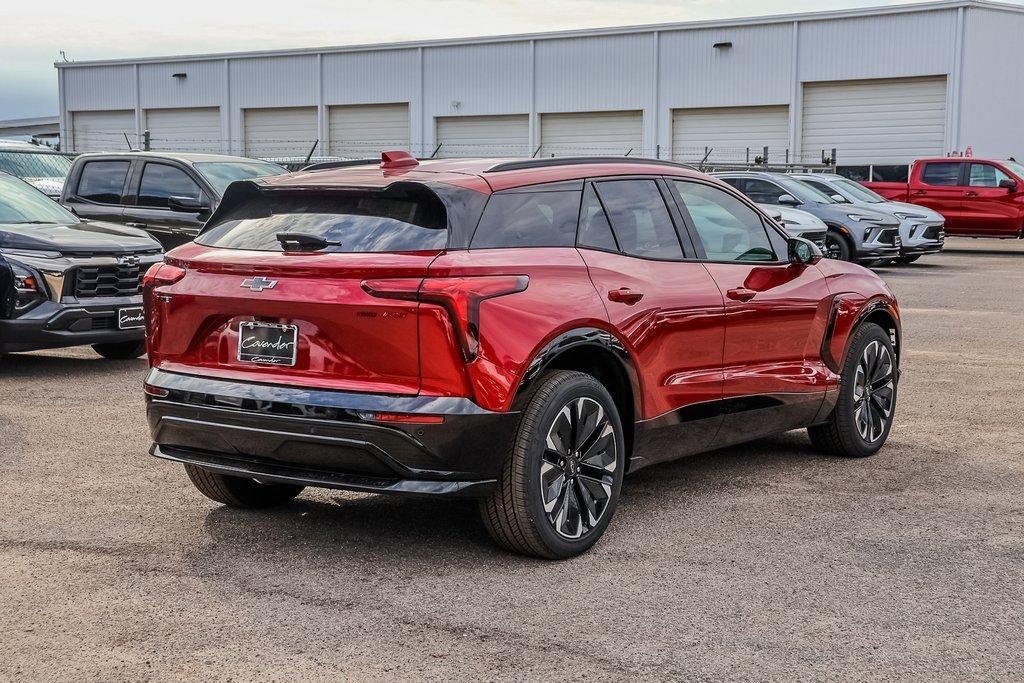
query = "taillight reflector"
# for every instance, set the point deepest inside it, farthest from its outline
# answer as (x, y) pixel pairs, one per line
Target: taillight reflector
(162, 274)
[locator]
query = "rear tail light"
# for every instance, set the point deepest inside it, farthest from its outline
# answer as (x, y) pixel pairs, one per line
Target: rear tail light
(459, 296)
(402, 418)
(162, 274)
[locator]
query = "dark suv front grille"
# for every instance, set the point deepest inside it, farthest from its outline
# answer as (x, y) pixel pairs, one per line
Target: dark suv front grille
(107, 281)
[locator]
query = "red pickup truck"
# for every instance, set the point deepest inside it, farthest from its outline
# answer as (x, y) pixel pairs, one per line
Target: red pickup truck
(978, 197)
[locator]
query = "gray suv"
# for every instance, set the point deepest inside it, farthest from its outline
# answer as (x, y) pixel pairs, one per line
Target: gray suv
(854, 233)
(922, 230)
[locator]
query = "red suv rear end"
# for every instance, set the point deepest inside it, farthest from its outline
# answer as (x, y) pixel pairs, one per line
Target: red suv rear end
(519, 332)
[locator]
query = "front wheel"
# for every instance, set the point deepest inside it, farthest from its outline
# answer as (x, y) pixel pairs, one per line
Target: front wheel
(560, 482)
(121, 350)
(836, 247)
(859, 424)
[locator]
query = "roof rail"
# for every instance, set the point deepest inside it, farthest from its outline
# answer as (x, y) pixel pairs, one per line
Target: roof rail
(344, 163)
(575, 161)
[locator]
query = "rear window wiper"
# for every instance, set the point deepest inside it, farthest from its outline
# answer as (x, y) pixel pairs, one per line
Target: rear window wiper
(300, 241)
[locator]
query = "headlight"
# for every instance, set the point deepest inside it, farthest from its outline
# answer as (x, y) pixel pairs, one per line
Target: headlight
(859, 217)
(904, 216)
(28, 288)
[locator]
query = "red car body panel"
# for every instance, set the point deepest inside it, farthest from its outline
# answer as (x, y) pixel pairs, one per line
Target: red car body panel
(698, 334)
(971, 211)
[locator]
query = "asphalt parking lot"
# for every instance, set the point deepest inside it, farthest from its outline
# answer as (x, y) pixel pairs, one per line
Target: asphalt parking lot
(764, 561)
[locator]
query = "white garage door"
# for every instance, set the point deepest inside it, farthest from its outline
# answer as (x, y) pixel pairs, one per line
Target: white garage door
(279, 133)
(728, 132)
(891, 121)
(614, 133)
(483, 136)
(363, 131)
(102, 131)
(185, 130)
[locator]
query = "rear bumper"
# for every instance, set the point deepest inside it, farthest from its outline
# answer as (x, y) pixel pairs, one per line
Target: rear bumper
(53, 325)
(330, 439)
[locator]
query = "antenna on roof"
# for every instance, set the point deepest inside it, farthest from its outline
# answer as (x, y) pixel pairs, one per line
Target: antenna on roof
(127, 141)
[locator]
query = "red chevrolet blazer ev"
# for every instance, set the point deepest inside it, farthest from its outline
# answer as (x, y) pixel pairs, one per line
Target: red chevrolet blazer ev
(521, 332)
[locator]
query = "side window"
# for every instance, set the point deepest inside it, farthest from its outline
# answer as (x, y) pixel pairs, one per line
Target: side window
(640, 220)
(595, 231)
(819, 186)
(160, 181)
(983, 175)
(528, 219)
(941, 173)
(729, 229)
(763, 192)
(103, 181)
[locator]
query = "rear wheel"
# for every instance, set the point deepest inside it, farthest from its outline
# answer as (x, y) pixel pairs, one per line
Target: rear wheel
(121, 350)
(859, 424)
(239, 492)
(560, 483)
(836, 246)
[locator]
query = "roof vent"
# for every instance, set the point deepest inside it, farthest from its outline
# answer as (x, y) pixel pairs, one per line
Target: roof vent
(397, 160)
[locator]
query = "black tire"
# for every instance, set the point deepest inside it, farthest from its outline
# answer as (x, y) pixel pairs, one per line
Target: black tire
(121, 350)
(238, 492)
(515, 513)
(904, 260)
(844, 432)
(836, 246)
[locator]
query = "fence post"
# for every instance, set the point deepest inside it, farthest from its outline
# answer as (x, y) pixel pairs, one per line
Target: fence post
(145, 140)
(834, 157)
(766, 155)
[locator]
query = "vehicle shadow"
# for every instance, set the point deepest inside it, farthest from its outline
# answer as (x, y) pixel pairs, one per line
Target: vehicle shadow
(36, 365)
(354, 531)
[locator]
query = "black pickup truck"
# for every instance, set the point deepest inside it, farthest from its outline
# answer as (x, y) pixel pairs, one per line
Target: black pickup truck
(66, 281)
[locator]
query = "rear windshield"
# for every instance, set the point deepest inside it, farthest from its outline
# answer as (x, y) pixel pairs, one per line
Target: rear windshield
(350, 222)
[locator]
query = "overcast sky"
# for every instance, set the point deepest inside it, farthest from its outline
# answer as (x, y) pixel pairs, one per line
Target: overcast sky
(34, 35)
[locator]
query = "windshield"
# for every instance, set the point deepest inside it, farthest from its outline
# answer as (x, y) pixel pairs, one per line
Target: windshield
(1016, 167)
(220, 174)
(804, 192)
(22, 203)
(34, 164)
(858, 191)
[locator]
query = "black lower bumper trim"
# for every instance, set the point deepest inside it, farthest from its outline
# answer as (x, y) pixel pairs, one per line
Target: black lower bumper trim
(278, 473)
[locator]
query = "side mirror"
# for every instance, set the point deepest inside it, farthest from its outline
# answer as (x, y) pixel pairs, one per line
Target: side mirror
(186, 205)
(840, 199)
(788, 200)
(803, 251)
(1008, 184)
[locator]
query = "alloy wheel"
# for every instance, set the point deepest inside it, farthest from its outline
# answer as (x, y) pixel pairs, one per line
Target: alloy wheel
(577, 470)
(874, 389)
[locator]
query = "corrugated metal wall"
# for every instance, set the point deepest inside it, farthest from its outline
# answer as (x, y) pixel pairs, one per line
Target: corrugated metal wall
(655, 72)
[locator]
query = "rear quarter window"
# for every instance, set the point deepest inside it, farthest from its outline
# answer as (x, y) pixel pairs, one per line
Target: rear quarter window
(528, 219)
(351, 222)
(103, 181)
(941, 173)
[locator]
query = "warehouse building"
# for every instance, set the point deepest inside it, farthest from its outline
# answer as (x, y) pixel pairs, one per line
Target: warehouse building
(880, 86)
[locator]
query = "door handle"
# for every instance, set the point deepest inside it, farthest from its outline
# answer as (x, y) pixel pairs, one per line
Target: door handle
(970, 193)
(625, 295)
(919, 193)
(136, 225)
(741, 294)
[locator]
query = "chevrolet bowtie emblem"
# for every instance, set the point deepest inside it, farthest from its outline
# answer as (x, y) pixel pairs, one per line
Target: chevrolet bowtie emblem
(258, 284)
